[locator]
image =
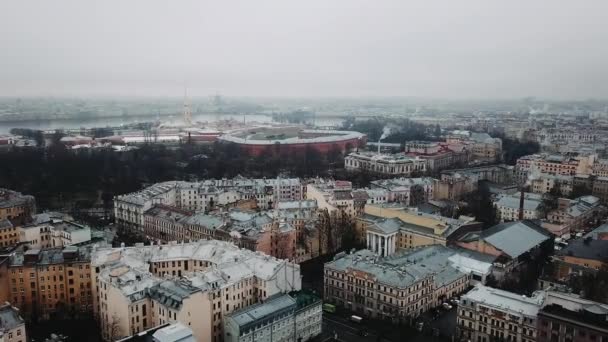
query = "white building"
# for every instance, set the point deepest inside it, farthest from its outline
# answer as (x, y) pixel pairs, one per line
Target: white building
(50, 230)
(196, 284)
(389, 164)
(486, 314)
(203, 196)
(507, 206)
(333, 196)
(282, 318)
(409, 191)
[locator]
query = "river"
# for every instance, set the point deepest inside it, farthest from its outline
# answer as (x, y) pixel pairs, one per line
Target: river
(5, 127)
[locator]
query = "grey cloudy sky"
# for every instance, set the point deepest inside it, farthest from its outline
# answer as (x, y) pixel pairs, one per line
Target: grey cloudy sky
(464, 48)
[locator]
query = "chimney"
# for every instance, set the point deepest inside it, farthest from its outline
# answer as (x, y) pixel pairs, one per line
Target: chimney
(521, 203)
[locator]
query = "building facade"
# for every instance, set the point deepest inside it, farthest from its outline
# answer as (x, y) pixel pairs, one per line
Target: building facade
(388, 164)
(486, 314)
(393, 288)
(204, 196)
(196, 284)
(281, 318)
(43, 283)
(16, 207)
(567, 317)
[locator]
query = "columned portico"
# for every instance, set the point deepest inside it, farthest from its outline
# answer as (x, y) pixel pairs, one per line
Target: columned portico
(381, 244)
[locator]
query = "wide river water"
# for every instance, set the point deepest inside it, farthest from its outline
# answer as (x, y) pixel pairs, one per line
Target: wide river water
(5, 127)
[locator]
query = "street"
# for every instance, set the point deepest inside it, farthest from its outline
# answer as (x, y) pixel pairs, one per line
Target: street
(376, 331)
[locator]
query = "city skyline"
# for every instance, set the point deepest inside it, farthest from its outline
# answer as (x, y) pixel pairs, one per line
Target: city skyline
(339, 49)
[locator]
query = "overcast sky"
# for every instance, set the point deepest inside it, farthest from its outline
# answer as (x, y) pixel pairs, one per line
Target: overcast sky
(449, 49)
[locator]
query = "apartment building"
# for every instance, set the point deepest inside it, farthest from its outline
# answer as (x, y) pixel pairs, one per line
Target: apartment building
(8, 234)
(398, 164)
(164, 223)
(544, 183)
(554, 164)
(508, 206)
(334, 196)
(196, 284)
(284, 317)
(487, 314)
(454, 184)
(53, 230)
(12, 326)
(409, 191)
(395, 287)
(600, 168)
(204, 196)
(42, 283)
(568, 317)
(16, 207)
(481, 145)
(438, 155)
(574, 215)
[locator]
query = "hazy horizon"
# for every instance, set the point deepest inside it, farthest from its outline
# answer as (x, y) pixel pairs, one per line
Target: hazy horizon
(466, 50)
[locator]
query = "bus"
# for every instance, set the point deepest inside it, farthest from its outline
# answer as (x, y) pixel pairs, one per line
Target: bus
(329, 308)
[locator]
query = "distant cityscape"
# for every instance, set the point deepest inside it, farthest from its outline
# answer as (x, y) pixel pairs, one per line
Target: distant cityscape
(476, 225)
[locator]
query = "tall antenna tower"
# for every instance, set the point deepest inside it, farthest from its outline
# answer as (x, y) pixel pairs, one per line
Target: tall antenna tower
(187, 108)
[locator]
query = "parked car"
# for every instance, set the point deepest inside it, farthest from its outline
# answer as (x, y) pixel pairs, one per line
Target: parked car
(454, 301)
(419, 326)
(446, 306)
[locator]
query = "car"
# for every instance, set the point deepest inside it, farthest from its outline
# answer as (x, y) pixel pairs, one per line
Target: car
(446, 306)
(454, 301)
(419, 326)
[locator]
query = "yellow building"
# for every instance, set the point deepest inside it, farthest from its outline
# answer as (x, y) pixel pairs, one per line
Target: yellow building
(44, 282)
(387, 227)
(16, 207)
(8, 234)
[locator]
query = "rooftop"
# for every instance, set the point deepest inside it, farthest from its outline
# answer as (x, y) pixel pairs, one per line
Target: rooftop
(5, 224)
(532, 201)
(9, 198)
(51, 256)
(506, 301)
(128, 268)
(9, 318)
(512, 238)
(586, 248)
(258, 313)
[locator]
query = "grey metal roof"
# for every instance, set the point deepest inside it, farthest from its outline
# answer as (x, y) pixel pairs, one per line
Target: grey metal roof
(429, 259)
(587, 248)
(5, 224)
(531, 201)
(594, 233)
(506, 301)
(172, 293)
(201, 219)
(514, 238)
(9, 318)
(258, 313)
